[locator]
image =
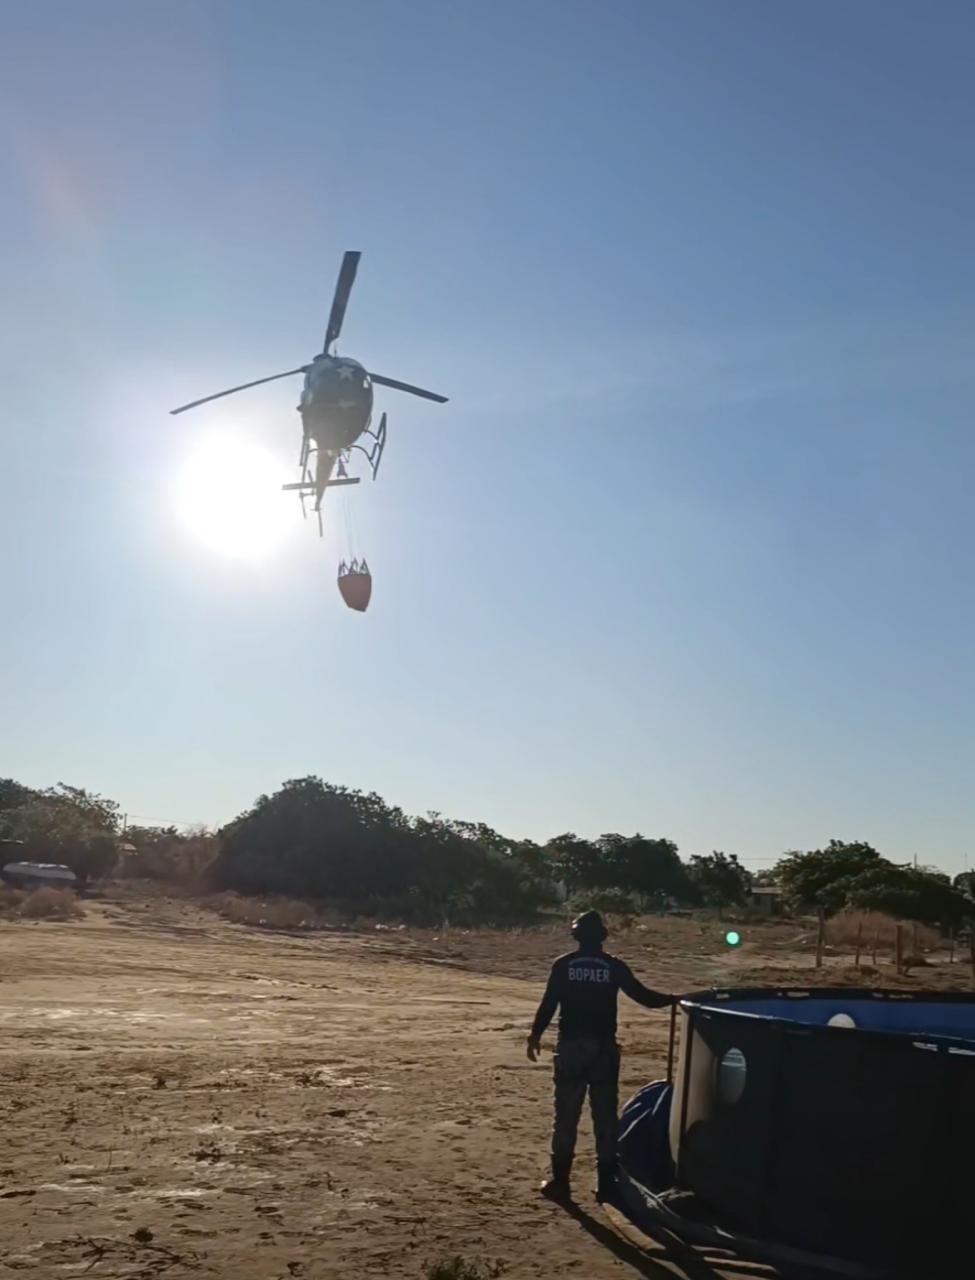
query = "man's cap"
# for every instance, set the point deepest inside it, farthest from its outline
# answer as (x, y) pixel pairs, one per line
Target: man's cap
(589, 927)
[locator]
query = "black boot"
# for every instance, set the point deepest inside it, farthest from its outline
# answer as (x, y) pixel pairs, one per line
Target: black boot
(606, 1187)
(557, 1186)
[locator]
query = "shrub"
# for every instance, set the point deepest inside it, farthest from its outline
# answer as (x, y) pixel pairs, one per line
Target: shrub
(841, 932)
(312, 840)
(267, 913)
(51, 904)
(608, 902)
(10, 900)
(459, 1269)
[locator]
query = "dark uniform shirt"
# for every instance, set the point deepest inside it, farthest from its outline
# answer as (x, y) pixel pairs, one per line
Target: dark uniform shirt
(583, 985)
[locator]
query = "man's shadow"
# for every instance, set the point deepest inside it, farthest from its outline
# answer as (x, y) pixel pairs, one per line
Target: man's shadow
(674, 1251)
(641, 1261)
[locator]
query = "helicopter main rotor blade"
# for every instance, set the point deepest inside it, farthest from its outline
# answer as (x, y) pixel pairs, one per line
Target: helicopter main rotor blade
(343, 287)
(243, 387)
(406, 386)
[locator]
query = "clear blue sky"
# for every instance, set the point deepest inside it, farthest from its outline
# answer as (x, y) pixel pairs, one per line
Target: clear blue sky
(689, 551)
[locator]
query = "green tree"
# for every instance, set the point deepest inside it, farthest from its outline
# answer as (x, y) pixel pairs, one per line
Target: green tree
(965, 884)
(639, 865)
(68, 825)
(813, 879)
(720, 879)
(855, 875)
(646, 866)
(577, 863)
(908, 893)
(12, 796)
(317, 840)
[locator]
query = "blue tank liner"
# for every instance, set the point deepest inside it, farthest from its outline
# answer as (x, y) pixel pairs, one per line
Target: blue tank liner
(847, 1150)
(644, 1141)
(926, 1015)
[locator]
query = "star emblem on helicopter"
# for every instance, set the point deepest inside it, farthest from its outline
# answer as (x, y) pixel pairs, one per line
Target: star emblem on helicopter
(346, 372)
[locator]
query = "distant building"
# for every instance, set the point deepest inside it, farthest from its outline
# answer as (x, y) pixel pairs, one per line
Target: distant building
(129, 861)
(766, 898)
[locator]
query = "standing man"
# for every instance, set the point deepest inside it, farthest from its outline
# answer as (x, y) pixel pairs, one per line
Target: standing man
(584, 985)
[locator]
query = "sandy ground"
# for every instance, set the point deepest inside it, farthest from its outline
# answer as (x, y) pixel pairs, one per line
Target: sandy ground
(320, 1106)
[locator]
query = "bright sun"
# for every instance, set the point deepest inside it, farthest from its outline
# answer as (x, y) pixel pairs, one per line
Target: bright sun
(229, 500)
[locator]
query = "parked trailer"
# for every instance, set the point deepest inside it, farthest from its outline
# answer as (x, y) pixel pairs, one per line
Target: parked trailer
(39, 875)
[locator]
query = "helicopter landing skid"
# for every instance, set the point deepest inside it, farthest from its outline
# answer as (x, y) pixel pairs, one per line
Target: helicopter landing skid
(374, 455)
(307, 486)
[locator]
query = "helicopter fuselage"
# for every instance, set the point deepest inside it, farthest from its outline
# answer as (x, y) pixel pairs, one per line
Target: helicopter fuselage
(336, 402)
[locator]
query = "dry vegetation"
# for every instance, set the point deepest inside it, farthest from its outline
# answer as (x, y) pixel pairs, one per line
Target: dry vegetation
(40, 904)
(459, 1268)
(878, 933)
(265, 913)
(870, 932)
(11, 901)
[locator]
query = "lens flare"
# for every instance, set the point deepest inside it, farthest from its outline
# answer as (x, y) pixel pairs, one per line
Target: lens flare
(227, 498)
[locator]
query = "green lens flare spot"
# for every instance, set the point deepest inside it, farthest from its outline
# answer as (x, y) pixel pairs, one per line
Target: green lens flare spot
(733, 938)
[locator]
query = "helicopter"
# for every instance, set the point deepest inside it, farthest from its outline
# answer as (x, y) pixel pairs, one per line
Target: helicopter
(335, 405)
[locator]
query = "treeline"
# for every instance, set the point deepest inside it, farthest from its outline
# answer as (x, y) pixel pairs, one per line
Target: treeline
(321, 841)
(310, 839)
(59, 824)
(853, 875)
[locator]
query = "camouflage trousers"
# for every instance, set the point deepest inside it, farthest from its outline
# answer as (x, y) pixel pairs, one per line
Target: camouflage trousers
(582, 1065)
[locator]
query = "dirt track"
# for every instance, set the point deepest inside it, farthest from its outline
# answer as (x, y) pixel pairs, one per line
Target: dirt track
(319, 1106)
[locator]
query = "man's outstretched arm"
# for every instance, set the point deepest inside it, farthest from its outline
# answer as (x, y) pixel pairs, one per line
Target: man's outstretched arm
(631, 986)
(545, 1014)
